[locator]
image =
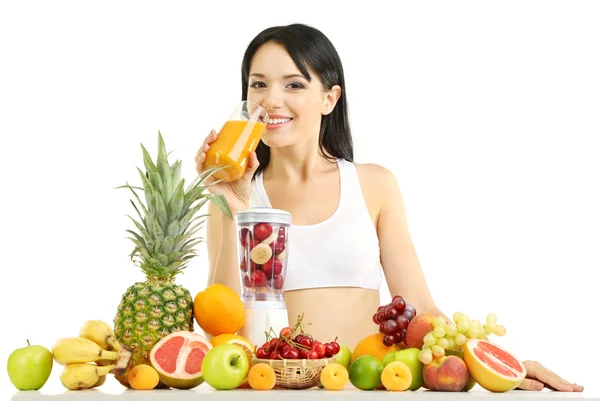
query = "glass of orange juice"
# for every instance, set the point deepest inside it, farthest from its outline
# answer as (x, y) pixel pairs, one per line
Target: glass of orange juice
(238, 137)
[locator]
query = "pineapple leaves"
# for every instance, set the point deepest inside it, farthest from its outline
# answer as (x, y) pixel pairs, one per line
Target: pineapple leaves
(221, 203)
(168, 214)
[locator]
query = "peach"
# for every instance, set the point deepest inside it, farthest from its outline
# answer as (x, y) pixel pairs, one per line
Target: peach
(417, 329)
(396, 376)
(143, 377)
(448, 373)
(261, 377)
(334, 376)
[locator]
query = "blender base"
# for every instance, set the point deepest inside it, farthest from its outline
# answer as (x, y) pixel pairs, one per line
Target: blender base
(260, 321)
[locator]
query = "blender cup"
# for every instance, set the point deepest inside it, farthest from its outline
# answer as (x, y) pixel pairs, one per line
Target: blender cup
(262, 254)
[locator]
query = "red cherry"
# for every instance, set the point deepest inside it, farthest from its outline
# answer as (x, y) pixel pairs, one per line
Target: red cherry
(262, 353)
(313, 355)
(306, 341)
(329, 350)
(262, 231)
(291, 353)
(298, 338)
(319, 347)
(276, 355)
(304, 353)
(274, 343)
(272, 267)
(286, 332)
(336, 347)
(389, 340)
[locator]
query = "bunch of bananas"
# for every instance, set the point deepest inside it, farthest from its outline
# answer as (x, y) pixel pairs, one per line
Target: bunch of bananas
(91, 356)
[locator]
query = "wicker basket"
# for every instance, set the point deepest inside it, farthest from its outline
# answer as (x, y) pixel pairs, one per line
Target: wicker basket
(296, 373)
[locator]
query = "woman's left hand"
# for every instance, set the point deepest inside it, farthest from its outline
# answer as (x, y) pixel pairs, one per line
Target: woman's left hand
(539, 377)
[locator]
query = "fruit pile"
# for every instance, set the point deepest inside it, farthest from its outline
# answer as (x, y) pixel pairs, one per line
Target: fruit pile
(452, 337)
(262, 247)
(393, 320)
(295, 343)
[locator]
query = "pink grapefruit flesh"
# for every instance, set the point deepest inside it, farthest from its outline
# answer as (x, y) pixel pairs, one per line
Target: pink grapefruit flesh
(492, 367)
(178, 358)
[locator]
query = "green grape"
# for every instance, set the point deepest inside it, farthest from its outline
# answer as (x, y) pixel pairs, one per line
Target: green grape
(500, 330)
(473, 332)
(426, 356)
(463, 326)
(439, 332)
(425, 346)
(459, 316)
(491, 318)
(451, 330)
(443, 342)
(475, 323)
(437, 351)
(439, 322)
(490, 328)
(451, 343)
(429, 339)
(460, 339)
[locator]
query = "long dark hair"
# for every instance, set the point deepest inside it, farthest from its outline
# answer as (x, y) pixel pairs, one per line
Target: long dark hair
(309, 46)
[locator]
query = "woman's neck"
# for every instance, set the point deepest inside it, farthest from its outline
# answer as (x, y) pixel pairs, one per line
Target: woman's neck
(295, 163)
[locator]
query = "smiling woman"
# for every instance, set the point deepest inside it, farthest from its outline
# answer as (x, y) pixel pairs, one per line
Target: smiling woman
(348, 220)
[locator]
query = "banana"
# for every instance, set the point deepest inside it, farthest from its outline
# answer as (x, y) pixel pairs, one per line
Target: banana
(78, 376)
(78, 349)
(269, 239)
(100, 381)
(100, 333)
(261, 254)
(281, 256)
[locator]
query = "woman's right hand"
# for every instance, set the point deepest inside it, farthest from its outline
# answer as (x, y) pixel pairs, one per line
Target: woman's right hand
(237, 192)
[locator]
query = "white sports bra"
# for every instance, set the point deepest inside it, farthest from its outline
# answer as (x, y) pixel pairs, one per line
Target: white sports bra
(342, 251)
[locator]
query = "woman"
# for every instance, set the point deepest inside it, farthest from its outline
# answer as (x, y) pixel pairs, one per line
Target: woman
(348, 219)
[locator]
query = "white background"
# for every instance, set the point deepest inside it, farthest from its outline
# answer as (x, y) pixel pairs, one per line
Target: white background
(487, 112)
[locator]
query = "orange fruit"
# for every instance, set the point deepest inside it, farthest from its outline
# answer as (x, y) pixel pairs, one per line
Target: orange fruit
(261, 377)
(373, 345)
(334, 376)
(143, 377)
(219, 310)
(235, 340)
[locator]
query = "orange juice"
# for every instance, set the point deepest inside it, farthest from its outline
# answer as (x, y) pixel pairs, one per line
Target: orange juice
(232, 147)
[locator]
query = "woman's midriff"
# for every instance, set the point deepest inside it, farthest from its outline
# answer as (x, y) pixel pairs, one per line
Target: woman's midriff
(342, 312)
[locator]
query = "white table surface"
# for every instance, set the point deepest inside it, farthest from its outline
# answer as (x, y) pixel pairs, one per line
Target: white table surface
(114, 391)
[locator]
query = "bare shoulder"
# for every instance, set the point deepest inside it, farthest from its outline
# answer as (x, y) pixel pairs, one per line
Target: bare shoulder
(374, 177)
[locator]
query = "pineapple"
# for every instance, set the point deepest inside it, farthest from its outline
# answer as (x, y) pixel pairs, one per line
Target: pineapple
(164, 244)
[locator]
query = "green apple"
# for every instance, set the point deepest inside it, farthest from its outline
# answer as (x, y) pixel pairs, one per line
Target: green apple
(344, 357)
(365, 372)
(409, 356)
(29, 367)
(225, 367)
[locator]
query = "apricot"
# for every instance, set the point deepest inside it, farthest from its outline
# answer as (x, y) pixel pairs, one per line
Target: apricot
(143, 377)
(334, 376)
(396, 376)
(261, 377)
(448, 373)
(418, 327)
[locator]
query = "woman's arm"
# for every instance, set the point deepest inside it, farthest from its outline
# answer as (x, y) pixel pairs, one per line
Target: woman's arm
(401, 266)
(221, 234)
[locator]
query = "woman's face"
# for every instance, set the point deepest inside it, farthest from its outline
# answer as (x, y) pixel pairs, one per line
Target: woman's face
(295, 105)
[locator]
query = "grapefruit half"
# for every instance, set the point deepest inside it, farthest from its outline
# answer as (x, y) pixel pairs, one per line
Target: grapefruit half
(178, 358)
(492, 367)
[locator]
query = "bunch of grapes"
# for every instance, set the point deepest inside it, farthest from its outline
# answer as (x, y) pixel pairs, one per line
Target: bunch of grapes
(393, 320)
(452, 337)
(295, 343)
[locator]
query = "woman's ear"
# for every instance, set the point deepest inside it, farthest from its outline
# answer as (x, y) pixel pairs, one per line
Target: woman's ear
(330, 99)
